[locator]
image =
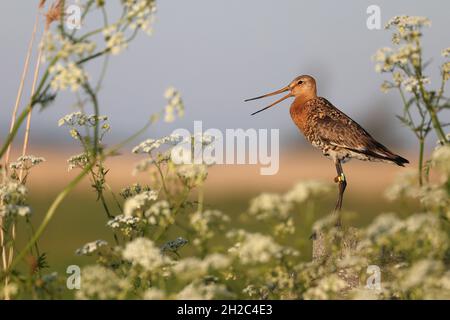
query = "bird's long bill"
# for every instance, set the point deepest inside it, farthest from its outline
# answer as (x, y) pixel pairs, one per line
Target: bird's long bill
(271, 94)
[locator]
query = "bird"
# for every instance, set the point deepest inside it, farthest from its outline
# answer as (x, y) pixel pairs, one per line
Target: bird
(327, 128)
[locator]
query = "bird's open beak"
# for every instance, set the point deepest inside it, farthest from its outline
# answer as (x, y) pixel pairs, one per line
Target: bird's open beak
(271, 94)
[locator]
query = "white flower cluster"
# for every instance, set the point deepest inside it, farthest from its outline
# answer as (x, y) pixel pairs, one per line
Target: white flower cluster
(133, 190)
(101, 283)
(78, 161)
(279, 206)
(175, 106)
(284, 227)
(202, 139)
(193, 268)
(326, 288)
(381, 56)
(125, 223)
(205, 222)
(391, 233)
(446, 71)
(160, 214)
(384, 223)
(138, 204)
(428, 276)
(308, 189)
(115, 40)
(269, 205)
(91, 247)
(141, 14)
(154, 294)
(404, 22)
(13, 199)
(9, 290)
(67, 76)
(81, 119)
(446, 65)
(404, 186)
(251, 290)
(441, 159)
(254, 248)
(12, 192)
(387, 58)
(192, 175)
(8, 210)
(204, 290)
(129, 226)
(446, 52)
(26, 162)
(149, 145)
(434, 196)
(143, 205)
(412, 84)
(143, 253)
(146, 163)
(54, 45)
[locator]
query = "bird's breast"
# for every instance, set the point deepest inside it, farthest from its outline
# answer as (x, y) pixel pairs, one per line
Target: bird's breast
(305, 116)
(300, 116)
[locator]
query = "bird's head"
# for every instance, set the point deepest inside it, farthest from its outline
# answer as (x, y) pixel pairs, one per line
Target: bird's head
(301, 87)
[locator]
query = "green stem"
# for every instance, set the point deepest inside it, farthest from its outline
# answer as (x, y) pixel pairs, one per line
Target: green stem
(175, 212)
(407, 112)
(425, 98)
(83, 15)
(421, 151)
(93, 97)
(12, 134)
(437, 125)
(200, 199)
(95, 55)
(114, 197)
(49, 215)
(163, 181)
(23, 115)
(108, 213)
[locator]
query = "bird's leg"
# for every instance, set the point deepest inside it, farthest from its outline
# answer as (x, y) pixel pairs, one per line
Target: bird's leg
(342, 184)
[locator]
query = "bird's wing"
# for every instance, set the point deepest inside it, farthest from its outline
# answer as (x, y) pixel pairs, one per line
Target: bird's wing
(342, 131)
(336, 128)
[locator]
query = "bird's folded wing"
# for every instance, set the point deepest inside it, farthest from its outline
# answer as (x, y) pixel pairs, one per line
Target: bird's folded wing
(343, 132)
(337, 129)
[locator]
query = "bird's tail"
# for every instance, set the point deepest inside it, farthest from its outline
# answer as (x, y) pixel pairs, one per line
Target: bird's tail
(400, 161)
(377, 151)
(383, 153)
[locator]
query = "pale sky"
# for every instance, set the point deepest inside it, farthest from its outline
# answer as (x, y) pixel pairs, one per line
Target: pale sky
(217, 53)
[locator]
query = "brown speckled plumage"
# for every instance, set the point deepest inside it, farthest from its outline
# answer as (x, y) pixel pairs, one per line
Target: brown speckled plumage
(336, 134)
(333, 132)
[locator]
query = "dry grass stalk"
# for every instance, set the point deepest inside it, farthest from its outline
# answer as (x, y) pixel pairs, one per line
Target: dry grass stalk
(5, 258)
(21, 85)
(53, 14)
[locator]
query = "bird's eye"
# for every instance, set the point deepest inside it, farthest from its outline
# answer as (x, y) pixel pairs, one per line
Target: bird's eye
(300, 82)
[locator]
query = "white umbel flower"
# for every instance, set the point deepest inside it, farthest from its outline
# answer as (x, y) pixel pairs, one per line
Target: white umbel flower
(143, 253)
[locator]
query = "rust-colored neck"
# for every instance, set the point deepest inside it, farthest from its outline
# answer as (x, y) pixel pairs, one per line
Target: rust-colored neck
(300, 100)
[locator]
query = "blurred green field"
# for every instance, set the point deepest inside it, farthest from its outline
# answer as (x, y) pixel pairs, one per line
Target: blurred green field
(81, 219)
